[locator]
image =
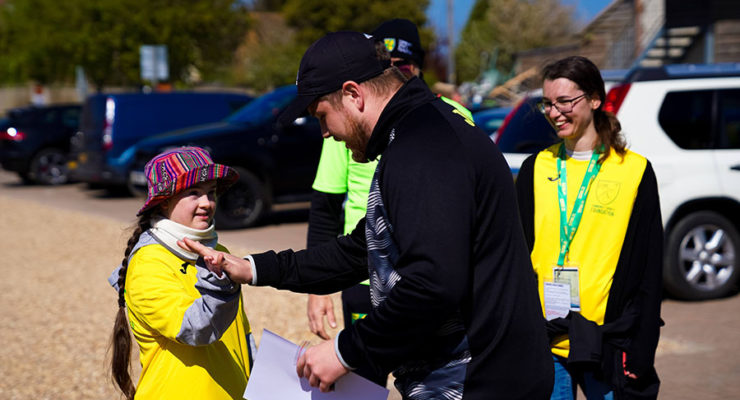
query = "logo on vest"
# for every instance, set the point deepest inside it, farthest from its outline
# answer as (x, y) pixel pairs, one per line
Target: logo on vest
(607, 191)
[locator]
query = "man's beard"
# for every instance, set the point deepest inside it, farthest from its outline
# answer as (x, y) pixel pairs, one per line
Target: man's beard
(355, 140)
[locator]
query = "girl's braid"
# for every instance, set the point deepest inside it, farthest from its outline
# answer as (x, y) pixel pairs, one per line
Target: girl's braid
(121, 338)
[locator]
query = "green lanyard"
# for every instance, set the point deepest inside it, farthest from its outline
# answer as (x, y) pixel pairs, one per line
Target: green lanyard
(567, 231)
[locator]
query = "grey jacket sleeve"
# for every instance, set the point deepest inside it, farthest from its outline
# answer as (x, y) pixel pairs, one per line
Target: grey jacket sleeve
(207, 319)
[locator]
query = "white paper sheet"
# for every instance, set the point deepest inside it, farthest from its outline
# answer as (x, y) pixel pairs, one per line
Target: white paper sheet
(274, 377)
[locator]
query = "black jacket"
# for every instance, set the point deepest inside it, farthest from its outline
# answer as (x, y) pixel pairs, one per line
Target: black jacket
(449, 196)
(632, 320)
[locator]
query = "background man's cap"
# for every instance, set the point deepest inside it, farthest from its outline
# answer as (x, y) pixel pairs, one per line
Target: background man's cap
(175, 170)
(401, 38)
(329, 62)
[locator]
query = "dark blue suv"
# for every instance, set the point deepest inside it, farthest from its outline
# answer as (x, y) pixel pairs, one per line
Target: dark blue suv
(276, 164)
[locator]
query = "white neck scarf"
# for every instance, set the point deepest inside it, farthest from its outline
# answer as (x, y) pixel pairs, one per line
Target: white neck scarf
(168, 232)
(580, 155)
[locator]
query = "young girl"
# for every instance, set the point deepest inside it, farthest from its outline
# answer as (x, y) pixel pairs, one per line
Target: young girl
(591, 215)
(194, 337)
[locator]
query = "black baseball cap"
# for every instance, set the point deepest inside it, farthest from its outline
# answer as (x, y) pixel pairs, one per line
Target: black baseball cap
(329, 62)
(401, 38)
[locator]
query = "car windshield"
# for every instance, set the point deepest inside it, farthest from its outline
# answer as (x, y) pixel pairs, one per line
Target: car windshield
(266, 107)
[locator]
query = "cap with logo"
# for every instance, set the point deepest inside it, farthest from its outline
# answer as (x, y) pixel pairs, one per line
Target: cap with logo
(329, 62)
(401, 38)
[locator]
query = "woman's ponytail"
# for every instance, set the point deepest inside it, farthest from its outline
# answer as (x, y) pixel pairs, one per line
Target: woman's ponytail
(609, 131)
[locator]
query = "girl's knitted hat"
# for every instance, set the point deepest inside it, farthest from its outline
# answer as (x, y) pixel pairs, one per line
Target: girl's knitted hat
(178, 169)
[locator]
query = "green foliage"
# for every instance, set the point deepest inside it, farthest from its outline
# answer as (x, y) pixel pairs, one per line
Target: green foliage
(44, 40)
(314, 18)
(505, 27)
(267, 5)
(272, 58)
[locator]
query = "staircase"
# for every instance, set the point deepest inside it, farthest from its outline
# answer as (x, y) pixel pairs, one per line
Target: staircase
(670, 46)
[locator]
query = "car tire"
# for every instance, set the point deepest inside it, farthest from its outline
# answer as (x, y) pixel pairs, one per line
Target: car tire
(49, 167)
(244, 204)
(700, 261)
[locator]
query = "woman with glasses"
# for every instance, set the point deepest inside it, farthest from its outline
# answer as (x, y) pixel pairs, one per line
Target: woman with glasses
(590, 211)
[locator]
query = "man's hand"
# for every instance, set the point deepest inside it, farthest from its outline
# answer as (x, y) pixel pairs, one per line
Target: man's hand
(238, 269)
(317, 308)
(320, 365)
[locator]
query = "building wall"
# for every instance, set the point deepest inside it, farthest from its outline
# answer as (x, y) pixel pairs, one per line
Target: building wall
(18, 96)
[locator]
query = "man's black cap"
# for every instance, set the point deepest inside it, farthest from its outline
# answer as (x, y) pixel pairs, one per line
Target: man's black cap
(401, 38)
(329, 62)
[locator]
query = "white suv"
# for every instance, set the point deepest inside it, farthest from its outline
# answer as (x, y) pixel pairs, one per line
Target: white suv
(686, 120)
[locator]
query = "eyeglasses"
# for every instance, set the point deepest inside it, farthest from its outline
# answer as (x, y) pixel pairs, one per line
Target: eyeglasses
(562, 105)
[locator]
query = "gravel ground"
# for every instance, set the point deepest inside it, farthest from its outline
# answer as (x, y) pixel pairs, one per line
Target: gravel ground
(58, 310)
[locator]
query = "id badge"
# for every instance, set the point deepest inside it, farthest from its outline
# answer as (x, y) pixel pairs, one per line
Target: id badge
(568, 274)
(557, 300)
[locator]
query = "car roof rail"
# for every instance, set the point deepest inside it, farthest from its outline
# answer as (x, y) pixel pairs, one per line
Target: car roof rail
(684, 71)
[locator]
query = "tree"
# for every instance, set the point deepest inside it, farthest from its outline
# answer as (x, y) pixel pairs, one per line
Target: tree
(314, 18)
(275, 45)
(44, 39)
(505, 27)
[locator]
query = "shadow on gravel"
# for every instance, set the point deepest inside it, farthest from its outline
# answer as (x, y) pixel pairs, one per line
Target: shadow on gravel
(14, 184)
(114, 192)
(278, 217)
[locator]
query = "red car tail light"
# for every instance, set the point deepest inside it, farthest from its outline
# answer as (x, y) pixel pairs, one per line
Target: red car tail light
(502, 128)
(12, 134)
(615, 97)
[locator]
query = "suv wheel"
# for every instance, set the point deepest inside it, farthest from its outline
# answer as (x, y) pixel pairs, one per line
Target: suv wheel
(49, 167)
(243, 204)
(700, 262)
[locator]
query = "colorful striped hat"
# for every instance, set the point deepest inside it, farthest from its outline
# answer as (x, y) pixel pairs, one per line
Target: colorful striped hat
(178, 169)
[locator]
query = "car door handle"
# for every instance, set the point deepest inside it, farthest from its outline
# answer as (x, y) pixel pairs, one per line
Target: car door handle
(735, 167)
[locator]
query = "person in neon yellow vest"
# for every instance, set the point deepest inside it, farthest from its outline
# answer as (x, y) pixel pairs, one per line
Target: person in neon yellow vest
(341, 186)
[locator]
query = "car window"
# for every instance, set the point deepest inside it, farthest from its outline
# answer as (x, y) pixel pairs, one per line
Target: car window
(71, 117)
(729, 119)
(686, 117)
(21, 117)
(527, 131)
(265, 107)
(49, 117)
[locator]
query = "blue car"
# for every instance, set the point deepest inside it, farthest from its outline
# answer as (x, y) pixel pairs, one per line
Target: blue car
(491, 119)
(276, 164)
